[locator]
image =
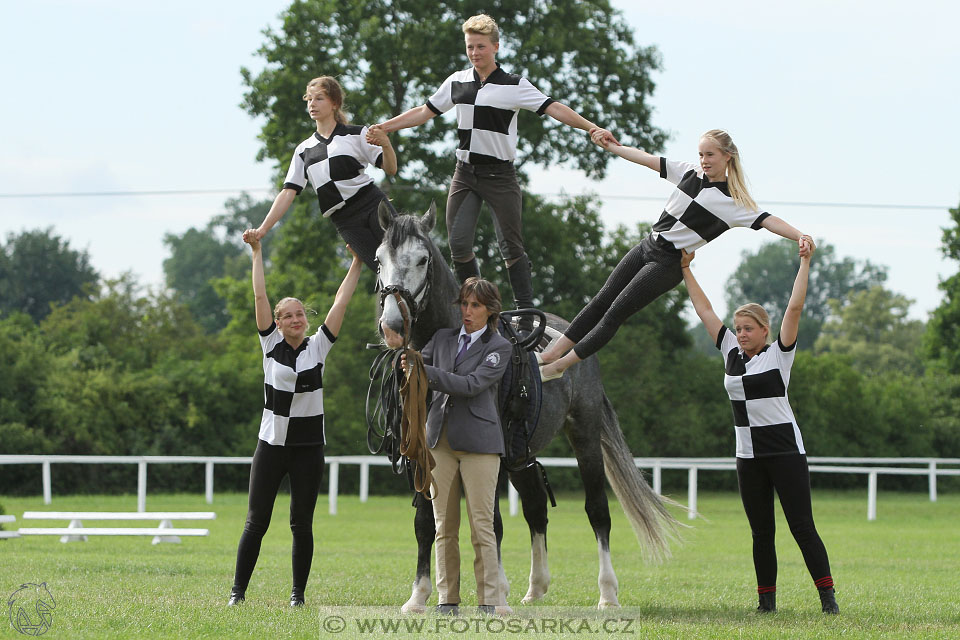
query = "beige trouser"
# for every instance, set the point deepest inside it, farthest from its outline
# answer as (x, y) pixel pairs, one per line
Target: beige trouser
(476, 474)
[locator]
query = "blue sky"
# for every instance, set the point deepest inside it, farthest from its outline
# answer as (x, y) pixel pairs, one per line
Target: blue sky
(828, 102)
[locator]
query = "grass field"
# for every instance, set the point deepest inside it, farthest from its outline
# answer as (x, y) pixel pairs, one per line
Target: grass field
(897, 577)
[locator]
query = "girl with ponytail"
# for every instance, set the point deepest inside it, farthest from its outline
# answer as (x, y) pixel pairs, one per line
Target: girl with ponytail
(334, 161)
(710, 198)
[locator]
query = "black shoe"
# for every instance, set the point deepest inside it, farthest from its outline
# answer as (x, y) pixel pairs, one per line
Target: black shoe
(828, 601)
(487, 610)
(448, 609)
(768, 602)
(236, 597)
(296, 598)
(466, 270)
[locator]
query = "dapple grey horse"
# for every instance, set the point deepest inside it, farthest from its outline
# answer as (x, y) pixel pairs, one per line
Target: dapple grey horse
(575, 404)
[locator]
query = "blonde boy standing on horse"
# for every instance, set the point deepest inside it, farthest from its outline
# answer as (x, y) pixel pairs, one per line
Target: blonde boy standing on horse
(487, 99)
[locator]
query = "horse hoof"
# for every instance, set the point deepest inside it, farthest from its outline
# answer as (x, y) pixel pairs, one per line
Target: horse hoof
(530, 598)
(608, 605)
(503, 610)
(411, 608)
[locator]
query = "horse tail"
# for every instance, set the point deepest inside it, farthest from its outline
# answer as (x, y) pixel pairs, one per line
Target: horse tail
(646, 511)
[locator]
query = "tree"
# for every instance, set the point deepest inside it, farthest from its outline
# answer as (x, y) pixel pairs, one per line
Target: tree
(767, 277)
(199, 256)
(871, 328)
(942, 341)
(390, 56)
(39, 269)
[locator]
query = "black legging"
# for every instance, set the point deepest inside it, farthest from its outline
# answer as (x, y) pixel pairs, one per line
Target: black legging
(359, 226)
(789, 475)
(647, 271)
(270, 464)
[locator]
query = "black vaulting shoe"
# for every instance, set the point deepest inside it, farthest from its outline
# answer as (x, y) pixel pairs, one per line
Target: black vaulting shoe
(768, 602)
(448, 609)
(296, 598)
(828, 601)
(236, 597)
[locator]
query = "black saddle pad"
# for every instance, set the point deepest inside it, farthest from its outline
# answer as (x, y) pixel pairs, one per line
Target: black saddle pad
(518, 433)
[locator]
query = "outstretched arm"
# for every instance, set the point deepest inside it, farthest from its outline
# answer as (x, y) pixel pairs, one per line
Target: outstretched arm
(334, 319)
(376, 135)
(791, 317)
(629, 153)
(262, 303)
(280, 205)
(410, 118)
(699, 299)
(562, 113)
(782, 228)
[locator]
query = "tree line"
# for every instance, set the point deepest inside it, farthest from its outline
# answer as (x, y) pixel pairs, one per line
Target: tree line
(97, 366)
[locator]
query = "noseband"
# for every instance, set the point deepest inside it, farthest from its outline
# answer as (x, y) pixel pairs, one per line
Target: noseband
(410, 309)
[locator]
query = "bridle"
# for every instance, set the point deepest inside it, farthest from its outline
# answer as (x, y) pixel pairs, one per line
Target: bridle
(407, 302)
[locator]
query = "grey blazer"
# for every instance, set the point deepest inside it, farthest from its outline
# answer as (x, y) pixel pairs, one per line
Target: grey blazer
(465, 396)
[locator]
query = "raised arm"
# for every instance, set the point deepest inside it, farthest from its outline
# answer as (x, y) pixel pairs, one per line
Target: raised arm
(791, 317)
(410, 118)
(334, 319)
(376, 135)
(699, 299)
(261, 302)
(279, 207)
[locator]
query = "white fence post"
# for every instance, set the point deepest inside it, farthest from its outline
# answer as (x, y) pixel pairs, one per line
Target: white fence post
(209, 483)
(47, 493)
(142, 486)
(692, 493)
(657, 483)
(513, 498)
(872, 496)
(364, 481)
(933, 482)
(334, 487)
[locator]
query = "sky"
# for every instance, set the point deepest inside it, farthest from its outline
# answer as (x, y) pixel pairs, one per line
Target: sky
(828, 103)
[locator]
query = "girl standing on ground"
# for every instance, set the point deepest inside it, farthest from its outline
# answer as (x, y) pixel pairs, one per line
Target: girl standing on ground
(709, 199)
(291, 435)
(333, 160)
(770, 453)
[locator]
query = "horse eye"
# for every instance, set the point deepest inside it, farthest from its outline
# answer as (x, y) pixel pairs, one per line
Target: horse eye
(422, 262)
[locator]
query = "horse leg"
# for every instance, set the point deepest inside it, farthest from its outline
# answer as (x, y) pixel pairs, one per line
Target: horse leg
(590, 460)
(502, 608)
(533, 497)
(425, 529)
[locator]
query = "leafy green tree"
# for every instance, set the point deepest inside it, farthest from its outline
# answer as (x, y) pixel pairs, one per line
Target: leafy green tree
(200, 255)
(391, 56)
(39, 269)
(766, 277)
(871, 327)
(942, 341)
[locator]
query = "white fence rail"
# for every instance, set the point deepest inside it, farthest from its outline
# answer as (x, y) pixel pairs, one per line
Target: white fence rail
(871, 467)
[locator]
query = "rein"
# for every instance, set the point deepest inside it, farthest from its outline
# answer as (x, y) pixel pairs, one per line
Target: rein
(396, 408)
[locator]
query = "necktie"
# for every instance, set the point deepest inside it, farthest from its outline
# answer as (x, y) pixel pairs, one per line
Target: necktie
(465, 342)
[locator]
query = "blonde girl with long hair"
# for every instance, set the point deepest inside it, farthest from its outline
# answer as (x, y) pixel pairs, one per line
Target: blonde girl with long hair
(710, 197)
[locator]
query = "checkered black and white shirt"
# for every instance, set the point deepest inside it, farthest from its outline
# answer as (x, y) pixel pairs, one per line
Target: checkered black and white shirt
(334, 166)
(487, 112)
(698, 210)
(293, 388)
(757, 387)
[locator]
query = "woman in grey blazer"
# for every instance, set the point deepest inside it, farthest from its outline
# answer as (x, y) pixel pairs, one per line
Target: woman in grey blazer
(463, 368)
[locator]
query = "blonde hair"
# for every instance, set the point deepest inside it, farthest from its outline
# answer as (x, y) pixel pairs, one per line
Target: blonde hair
(279, 306)
(757, 313)
(334, 92)
(736, 178)
(484, 25)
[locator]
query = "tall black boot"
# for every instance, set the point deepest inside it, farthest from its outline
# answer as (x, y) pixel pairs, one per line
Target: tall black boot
(521, 282)
(768, 602)
(828, 601)
(465, 270)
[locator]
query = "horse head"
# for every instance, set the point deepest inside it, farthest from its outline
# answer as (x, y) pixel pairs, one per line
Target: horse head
(417, 286)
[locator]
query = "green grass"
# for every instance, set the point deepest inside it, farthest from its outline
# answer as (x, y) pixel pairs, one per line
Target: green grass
(896, 577)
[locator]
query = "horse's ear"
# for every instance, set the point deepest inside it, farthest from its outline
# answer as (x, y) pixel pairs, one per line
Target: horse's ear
(430, 217)
(384, 215)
